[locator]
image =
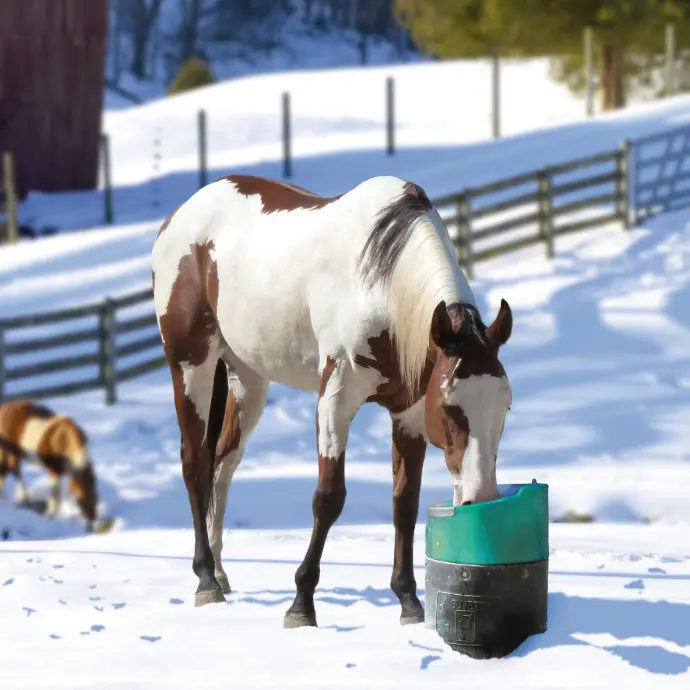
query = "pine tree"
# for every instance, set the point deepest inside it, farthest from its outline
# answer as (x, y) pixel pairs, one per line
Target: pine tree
(628, 34)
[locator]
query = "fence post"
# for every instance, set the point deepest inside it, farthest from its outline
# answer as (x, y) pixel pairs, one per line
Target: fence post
(287, 162)
(546, 211)
(10, 197)
(589, 71)
(2, 364)
(623, 172)
(390, 116)
(495, 93)
(107, 181)
(108, 373)
(464, 221)
(202, 148)
(670, 58)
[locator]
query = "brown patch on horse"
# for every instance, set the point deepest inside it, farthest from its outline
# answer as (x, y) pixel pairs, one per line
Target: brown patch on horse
(190, 321)
(279, 196)
(231, 433)
(166, 222)
(391, 394)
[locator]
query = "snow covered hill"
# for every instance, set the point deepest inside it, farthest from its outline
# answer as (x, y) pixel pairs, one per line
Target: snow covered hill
(599, 362)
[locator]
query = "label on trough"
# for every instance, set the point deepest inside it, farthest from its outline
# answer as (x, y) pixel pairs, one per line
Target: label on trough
(459, 616)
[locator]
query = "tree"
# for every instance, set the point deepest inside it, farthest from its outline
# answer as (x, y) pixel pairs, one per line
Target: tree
(143, 16)
(628, 34)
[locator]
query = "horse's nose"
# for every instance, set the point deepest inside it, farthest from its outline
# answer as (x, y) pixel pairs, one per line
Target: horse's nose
(467, 503)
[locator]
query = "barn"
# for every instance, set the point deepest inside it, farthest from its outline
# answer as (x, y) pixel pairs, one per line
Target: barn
(52, 72)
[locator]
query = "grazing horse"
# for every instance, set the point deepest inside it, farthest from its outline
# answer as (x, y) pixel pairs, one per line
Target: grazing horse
(35, 434)
(358, 297)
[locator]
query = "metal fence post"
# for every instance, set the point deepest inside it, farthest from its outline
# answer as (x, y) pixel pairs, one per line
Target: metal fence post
(546, 211)
(464, 221)
(107, 331)
(623, 172)
(202, 148)
(107, 181)
(287, 154)
(390, 116)
(2, 364)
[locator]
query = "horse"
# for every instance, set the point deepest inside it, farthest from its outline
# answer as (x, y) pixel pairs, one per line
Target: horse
(358, 298)
(35, 434)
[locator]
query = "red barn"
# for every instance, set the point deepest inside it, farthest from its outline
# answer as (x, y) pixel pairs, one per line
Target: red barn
(52, 73)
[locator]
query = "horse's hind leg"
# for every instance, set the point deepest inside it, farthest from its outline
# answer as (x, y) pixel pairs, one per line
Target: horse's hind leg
(246, 400)
(193, 389)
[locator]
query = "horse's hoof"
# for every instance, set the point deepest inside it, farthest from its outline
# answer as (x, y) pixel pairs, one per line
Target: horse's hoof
(222, 580)
(412, 613)
(209, 596)
(411, 618)
(294, 619)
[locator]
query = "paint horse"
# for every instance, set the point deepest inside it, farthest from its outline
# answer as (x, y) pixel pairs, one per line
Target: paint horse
(35, 434)
(358, 297)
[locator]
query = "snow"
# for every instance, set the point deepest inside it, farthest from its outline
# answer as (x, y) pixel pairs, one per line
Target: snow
(600, 371)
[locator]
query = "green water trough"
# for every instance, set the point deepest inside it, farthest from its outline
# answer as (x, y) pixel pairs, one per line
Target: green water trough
(486, 580)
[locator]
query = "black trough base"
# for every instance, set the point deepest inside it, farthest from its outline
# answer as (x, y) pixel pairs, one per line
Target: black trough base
(486, 611)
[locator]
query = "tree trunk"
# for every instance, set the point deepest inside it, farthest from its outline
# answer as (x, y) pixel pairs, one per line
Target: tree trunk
(611, 78)
(143, 19)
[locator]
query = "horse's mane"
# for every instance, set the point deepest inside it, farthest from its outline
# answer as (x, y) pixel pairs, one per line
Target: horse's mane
(410, 255)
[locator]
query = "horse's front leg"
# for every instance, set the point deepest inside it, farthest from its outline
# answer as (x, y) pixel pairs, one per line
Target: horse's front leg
(409, 449)
(338, 402)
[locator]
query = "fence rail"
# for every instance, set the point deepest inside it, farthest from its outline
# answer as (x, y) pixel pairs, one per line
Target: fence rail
(115, 345)
(104, 344)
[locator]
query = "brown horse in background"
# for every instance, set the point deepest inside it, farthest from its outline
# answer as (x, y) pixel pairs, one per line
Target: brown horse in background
(35, 434)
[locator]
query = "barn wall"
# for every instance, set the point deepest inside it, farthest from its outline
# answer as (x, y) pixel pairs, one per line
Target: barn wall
(52, 63)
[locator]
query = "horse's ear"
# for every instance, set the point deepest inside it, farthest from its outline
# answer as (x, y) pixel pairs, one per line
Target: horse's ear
(443, 328)
(499, 331)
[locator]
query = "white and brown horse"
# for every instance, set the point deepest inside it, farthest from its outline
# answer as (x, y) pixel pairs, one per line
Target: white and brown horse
(33, 433)
(358, 297)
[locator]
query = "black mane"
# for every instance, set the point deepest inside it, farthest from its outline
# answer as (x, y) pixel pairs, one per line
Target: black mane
(391, 233)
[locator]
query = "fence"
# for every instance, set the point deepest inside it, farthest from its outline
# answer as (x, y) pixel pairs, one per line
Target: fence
(100, 344)
(485, 222)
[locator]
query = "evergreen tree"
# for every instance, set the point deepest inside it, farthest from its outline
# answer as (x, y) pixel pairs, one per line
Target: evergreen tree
(628, 34)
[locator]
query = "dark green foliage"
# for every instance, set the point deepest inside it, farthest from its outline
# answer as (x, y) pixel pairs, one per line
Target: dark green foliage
(628, 34)
(193, 74)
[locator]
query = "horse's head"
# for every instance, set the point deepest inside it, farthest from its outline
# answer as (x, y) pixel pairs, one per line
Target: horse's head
(468, 396)
(82, 485)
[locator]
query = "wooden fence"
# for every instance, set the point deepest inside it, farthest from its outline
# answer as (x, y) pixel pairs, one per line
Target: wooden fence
(485, 221)
(99, 345)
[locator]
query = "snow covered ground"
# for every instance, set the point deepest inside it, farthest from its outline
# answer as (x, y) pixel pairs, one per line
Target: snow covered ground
(599, 362)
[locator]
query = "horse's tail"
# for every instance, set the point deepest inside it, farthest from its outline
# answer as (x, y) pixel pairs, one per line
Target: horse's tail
(216, 414)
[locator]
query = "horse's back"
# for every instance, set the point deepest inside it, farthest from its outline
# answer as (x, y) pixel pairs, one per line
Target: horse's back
(288, 287)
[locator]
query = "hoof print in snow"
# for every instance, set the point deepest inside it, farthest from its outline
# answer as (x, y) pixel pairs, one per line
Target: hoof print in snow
(8, 582)
(150, 638)
(58, 582)
(348, 665)
(85, 632)
(120, 605)
(60, 601)
(656, 570)
(424, 663)
(177, 601)
(58, 566)
(55, 637)
(634, 584)
(95, 598)
(99, 608)
(97, 628)
(93, 586)
(28, 610)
